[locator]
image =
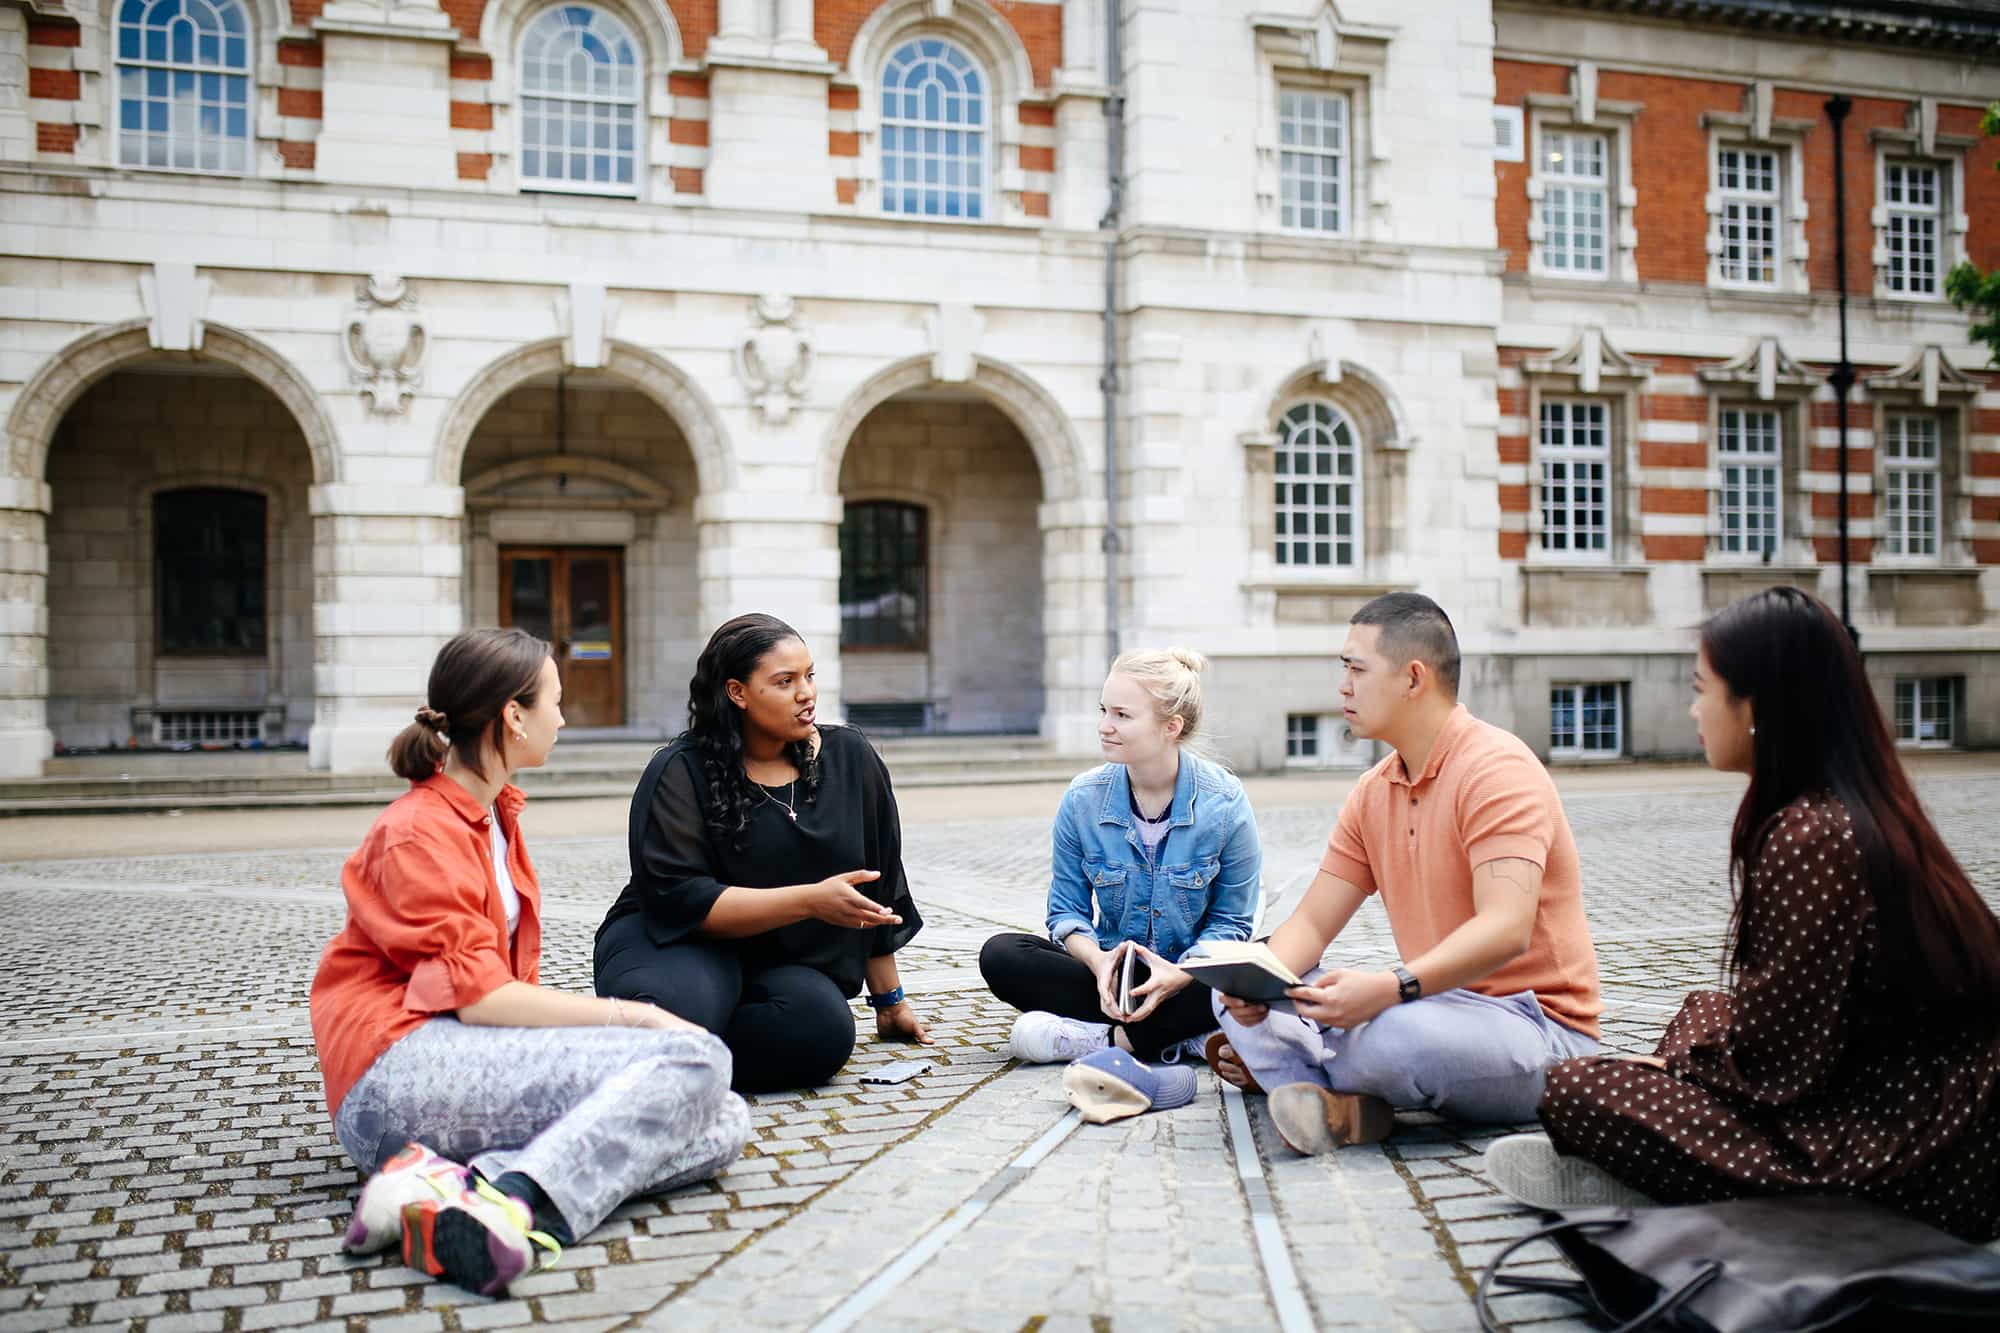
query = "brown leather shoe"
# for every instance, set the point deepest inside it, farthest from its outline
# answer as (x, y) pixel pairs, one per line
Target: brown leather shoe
(1211, 1051)
(1312, 1120)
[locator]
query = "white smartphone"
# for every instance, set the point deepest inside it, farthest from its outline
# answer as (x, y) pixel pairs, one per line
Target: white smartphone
(1125, 980)
(900, 1071)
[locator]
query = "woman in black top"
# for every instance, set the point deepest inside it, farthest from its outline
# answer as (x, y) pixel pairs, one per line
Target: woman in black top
(767, 871)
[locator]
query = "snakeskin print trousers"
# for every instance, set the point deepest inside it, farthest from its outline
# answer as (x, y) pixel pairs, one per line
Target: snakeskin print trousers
(593, 1115)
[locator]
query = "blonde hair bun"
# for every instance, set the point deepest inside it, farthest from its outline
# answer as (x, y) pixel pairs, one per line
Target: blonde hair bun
(1172, 676)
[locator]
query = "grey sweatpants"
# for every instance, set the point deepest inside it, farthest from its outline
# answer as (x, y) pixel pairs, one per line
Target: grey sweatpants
(593, 1115)
(1459, 1053)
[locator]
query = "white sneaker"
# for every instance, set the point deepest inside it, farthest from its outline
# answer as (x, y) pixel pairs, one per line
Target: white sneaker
(1528, 1169)
(1042, 1038)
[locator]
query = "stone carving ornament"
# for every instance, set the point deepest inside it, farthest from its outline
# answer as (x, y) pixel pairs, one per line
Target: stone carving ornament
(385, 343)
(774, 360)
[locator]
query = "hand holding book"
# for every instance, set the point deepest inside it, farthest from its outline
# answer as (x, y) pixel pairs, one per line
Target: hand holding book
(1346, 997)
(1246, 970)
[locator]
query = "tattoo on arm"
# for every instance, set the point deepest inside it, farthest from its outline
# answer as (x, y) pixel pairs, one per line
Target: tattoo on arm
(1523, 875)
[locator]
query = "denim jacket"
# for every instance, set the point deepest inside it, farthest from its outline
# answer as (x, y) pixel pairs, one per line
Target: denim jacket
(1203, 883)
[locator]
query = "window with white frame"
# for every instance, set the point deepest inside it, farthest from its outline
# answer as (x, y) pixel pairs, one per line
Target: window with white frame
(184, 85)
(1302, 738)
(934, 137)
(580, 87)
(1749, 457)
(1575, 172)
(1587, 720)
(1747, 181)
(1912, 227)
(1911, 485)
(1318, 487)
(1927, 709)
(1574, 453)
(1313, 157)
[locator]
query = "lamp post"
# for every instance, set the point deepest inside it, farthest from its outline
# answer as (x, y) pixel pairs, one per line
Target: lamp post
(1842, 377)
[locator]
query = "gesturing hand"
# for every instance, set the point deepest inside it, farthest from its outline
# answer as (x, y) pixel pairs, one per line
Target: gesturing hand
(837, 902)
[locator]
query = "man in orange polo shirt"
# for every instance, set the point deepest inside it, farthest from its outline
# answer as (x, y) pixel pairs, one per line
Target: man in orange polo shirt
(1462, 834)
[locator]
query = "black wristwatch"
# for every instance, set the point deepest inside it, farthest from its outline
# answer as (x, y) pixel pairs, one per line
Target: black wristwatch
(1407, 986)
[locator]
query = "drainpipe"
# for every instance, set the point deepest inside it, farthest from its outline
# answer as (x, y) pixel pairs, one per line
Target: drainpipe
(1842, 377)
(1114, 167)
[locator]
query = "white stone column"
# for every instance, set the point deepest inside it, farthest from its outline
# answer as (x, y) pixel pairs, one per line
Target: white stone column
(388, 570)
(737, 29)
(1074, 645)
(779, 554)
(795, 32)
(25, 740)
(387, 99)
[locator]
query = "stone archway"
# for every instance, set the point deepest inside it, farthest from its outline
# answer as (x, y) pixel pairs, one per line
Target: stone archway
(961, 504)
(178, 432)
(50, 392)
(1043, 424)
(580, 490)
(676, 393)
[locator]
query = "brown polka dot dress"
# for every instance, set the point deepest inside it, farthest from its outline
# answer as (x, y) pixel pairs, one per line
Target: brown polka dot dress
(1798, 1079)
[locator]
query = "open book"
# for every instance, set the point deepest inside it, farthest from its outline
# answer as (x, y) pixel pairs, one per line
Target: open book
(1246, 969)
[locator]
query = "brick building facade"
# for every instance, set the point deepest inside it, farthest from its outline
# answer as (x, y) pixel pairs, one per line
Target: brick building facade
(332, 328)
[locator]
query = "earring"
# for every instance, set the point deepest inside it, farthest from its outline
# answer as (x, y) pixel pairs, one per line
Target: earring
(522, 735)
(1753, 728)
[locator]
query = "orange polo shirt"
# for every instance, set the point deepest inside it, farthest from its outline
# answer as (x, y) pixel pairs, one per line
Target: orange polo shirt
(1482, 796)
(426, 932)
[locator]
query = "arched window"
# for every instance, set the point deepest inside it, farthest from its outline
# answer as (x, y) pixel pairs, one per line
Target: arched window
(580, 82)
(1318, 497)
(934, 102)
(184, 85)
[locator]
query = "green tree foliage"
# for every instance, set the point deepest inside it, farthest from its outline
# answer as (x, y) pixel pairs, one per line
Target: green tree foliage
(1974, 290)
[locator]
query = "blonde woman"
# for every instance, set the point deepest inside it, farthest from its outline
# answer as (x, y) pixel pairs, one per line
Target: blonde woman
(1155, 852)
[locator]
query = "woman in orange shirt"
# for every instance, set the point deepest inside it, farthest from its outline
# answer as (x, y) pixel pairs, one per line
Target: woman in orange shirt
(501, 1119)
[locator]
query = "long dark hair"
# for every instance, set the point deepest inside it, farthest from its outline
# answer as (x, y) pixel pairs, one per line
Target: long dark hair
(473, 679)
(715, 725)
(1819, 729)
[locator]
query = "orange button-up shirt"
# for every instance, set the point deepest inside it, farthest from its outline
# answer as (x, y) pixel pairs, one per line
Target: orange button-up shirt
(1482, 796)
(426, 931)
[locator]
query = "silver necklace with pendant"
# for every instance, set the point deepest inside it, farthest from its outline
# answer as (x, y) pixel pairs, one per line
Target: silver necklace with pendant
(786, 804)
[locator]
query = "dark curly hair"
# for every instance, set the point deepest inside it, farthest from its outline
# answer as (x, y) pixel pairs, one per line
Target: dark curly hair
(715, 725)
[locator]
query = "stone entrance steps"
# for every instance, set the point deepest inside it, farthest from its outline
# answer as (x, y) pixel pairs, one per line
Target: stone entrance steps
(152, 780)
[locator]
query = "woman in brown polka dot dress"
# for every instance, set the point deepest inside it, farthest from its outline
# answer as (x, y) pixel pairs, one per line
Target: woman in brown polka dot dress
(1857, 1049)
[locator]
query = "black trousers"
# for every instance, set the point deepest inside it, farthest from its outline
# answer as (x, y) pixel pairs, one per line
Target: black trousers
(786, 1026)
(1032, 972)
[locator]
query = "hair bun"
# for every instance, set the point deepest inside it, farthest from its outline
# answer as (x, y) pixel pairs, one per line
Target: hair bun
(1189, 658)
(431, 718)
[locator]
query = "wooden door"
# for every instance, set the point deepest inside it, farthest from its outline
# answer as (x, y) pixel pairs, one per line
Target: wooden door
(573, 596)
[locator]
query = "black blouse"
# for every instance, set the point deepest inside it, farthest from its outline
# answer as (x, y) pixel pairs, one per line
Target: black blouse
(679, 870)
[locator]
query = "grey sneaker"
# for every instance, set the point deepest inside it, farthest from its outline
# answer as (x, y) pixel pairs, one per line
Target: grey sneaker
(1042, 1038)
(1528, 1169)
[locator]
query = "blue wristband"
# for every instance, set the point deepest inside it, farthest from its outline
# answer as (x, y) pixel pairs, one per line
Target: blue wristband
(888, 999)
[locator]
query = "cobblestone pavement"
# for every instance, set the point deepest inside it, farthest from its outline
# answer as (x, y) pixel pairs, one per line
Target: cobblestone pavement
(166, 1163)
